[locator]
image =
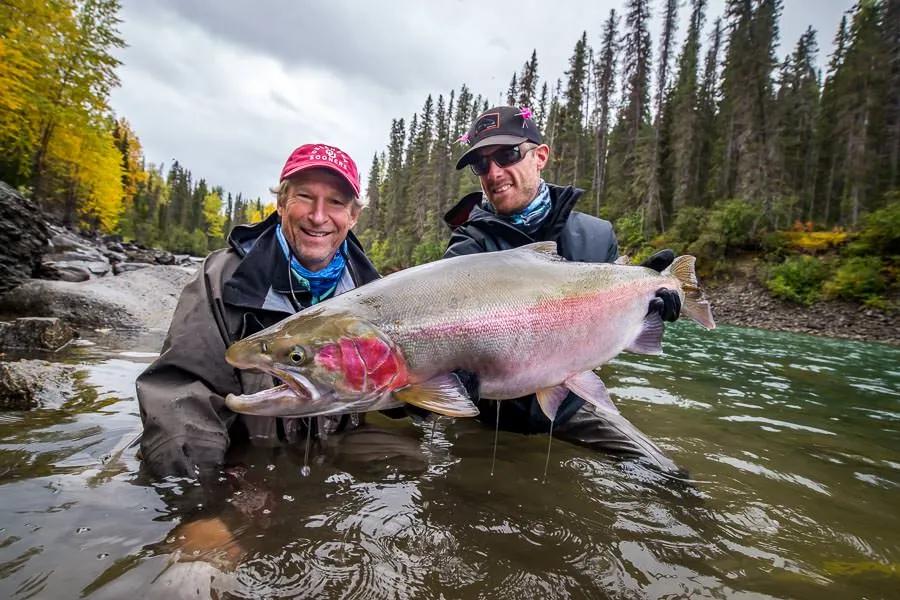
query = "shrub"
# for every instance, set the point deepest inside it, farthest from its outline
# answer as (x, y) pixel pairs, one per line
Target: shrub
(881, 232)
(685, 230)
(630, 232)
(798, 279)
(426, 252)
(858, 278)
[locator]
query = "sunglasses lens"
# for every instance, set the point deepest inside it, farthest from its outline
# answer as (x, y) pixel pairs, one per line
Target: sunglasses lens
(481, 165)
(503, 158)
(506, 156)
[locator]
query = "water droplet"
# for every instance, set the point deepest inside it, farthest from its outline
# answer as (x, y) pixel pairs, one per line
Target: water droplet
(270, 467)
(102, 555)
(288, 498)
(266, 511)
(82, 530)
(305, 471)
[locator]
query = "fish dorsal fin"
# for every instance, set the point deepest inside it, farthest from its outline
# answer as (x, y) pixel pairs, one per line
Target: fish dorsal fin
(548, 249)
(444, 395)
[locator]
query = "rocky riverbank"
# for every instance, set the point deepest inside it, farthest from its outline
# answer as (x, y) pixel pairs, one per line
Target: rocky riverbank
(746, 303)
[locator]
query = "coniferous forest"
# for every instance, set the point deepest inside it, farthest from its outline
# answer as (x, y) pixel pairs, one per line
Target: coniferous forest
(717, 145)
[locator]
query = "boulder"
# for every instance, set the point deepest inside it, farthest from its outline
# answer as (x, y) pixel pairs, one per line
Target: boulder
(36, 333)
(24, 236)
(27, 384)
(143, 299)
(124, 267)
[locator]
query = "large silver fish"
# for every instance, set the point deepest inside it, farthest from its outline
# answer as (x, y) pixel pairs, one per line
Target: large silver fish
(525, 320)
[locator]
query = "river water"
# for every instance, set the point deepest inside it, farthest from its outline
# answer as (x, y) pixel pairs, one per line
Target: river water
(791, 443)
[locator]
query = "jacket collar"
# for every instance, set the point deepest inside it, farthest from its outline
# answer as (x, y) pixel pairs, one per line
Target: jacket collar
(262, 280)
(562, 201)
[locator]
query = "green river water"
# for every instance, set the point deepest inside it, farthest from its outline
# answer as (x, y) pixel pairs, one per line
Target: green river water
(792, 444)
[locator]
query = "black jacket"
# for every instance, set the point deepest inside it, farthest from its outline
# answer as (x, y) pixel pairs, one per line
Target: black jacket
(236, 292)
(579, 237)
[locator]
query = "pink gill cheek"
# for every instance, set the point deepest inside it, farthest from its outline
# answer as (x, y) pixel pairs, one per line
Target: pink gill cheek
(353, 367)
(329, 357)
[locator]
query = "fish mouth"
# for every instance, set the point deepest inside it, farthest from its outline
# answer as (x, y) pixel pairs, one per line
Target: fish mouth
(297, 396)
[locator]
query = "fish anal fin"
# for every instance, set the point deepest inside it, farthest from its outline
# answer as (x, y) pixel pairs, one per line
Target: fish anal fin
(444, 395)
(550, 399)
(590, 387)
(649, 340)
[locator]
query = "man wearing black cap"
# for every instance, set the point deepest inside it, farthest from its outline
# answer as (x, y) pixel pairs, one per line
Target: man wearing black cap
(516, 207)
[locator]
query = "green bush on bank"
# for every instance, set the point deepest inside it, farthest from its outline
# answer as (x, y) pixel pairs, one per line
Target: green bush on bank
(798, 279)
(858, 279)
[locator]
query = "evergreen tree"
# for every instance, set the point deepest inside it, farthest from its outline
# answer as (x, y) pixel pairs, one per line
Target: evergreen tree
(605, 78)
(528, 82)
(686, 112)
(652, 206)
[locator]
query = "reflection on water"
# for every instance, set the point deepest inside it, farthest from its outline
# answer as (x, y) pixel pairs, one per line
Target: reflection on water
(791, 442)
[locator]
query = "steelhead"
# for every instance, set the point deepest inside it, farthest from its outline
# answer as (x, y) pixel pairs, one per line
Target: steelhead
(525, 320)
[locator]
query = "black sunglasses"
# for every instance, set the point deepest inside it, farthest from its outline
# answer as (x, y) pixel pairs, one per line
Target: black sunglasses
(503, 157)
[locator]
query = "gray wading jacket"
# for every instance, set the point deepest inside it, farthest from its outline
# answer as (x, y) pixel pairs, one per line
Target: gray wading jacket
(237, 292)
(579, 237)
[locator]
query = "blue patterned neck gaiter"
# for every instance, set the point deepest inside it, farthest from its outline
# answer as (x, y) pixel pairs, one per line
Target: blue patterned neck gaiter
(318, 283)
(530, 218)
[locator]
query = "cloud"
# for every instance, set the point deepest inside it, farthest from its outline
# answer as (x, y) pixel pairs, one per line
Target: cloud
(230, 88)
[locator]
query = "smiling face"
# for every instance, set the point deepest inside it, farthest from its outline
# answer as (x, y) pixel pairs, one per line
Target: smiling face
(510, 189)
(316, 213)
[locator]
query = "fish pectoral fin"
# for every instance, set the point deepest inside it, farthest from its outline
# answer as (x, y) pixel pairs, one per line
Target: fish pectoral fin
(590, 387)
(444, 395)
(649, 340)
(550, 399)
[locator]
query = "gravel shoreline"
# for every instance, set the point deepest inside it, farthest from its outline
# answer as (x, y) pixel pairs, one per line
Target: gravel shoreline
(746, 303)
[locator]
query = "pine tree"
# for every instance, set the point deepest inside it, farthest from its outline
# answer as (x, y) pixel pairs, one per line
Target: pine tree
(652, 206)
(528, 82)
(605, 78)
(686, 110)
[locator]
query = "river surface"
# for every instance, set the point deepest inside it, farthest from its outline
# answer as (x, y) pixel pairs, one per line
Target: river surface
(792, 444)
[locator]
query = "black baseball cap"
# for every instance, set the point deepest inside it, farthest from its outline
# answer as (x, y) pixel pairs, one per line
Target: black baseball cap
(499, 126)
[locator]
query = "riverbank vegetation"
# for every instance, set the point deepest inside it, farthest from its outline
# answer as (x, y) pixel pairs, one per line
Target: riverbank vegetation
(718, 146)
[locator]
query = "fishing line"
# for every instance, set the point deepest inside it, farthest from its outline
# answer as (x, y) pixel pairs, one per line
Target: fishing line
(549, 440)
(306, 470)
(496, 435)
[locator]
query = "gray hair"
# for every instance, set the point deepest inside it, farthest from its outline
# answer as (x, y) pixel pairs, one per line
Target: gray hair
(280, 192)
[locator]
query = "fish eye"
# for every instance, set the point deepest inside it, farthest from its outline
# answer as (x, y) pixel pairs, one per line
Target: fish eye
(297, 355)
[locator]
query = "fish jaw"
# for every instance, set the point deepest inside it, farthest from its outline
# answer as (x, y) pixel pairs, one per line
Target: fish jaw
(282, 401)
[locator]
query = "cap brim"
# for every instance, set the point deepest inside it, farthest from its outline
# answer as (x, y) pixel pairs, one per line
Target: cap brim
(328, 166)
(494, 140)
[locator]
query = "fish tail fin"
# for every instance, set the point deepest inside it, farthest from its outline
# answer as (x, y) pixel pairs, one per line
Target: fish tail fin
(696, 306)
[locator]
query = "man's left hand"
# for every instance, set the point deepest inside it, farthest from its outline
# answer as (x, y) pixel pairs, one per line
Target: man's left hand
(667, 302)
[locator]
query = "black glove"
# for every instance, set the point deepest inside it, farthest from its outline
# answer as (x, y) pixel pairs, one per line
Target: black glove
(667, 302)
(659, 260)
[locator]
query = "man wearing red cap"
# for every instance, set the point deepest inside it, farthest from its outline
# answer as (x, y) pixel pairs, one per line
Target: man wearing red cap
(303, 253)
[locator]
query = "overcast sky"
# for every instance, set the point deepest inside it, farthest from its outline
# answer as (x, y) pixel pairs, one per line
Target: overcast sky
(230, 88)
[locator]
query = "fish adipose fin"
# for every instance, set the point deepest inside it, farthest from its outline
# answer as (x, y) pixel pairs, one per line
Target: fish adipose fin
(590, 387)
(550, 399)
(444, 395)
(649, 340)
(696, 306)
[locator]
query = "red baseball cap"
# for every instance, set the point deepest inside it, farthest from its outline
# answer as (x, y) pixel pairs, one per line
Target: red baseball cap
(314, 156)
